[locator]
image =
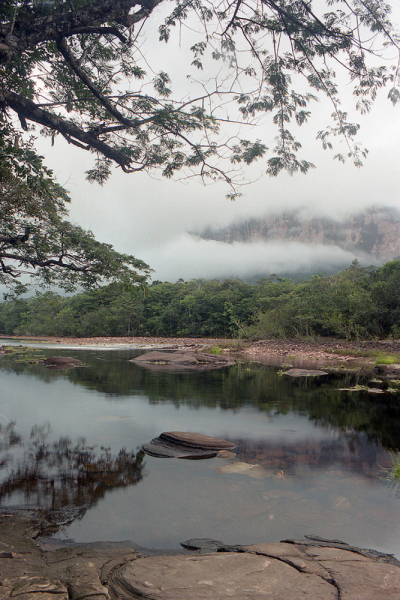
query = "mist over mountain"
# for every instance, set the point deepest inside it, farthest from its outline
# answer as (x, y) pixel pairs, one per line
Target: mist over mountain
(375, 231)
(372, 236)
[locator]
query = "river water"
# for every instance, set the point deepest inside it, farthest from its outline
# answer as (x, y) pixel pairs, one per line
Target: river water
(317, 452)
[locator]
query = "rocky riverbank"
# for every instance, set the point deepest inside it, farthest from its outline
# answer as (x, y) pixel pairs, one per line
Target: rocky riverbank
(320, 348)
(311, 568)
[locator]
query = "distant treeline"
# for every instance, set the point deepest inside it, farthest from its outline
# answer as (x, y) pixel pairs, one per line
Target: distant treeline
(357, 302)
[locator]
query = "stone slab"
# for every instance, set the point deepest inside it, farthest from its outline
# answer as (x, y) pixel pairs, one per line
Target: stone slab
(219, 576)
(311, 569)
(196, 440)
(163, 449)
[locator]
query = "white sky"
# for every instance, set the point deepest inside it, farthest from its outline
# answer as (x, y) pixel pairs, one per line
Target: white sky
(151, 217)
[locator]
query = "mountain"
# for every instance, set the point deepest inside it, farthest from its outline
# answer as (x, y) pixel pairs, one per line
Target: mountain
(374, 232)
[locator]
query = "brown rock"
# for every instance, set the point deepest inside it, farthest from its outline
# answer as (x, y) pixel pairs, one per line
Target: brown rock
(61, 362)
(196, 440)
(217, 577)
(163, 449)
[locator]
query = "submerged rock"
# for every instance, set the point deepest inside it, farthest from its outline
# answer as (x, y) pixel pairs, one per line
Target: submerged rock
(182, 360)
(61, 362)
(184, 444)
(304, 373)
(243, 468)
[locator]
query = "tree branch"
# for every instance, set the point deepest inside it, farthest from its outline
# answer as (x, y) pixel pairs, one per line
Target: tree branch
(68, 129)
(73, 63)
(28, 32)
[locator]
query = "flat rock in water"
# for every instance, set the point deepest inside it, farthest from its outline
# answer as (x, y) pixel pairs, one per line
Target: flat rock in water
(61, 362)
(196, 440)
(182, 360)
(164, 449)
(304, 373)
(203, 544)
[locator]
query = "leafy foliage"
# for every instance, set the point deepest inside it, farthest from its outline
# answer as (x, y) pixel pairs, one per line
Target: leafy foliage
(35, 237)
(77, 68)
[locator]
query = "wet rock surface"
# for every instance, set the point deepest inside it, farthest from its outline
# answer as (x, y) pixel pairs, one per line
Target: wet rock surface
(182, 360)
(313, 568)
(184, 444)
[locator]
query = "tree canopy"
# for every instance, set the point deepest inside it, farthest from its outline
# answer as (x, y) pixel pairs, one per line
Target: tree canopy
(35, 237)
(359, 302)
(77, 68)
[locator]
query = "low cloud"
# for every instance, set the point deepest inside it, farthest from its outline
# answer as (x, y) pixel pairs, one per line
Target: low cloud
(191, 257)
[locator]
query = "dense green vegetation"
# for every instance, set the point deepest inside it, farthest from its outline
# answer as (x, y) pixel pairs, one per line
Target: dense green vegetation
(355, 303)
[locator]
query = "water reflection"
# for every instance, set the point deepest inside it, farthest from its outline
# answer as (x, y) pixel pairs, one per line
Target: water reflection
(244, 385)
(330, 445)
(63, 473)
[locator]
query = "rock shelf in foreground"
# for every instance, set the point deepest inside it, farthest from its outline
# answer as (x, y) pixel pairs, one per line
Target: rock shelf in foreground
(313, 569)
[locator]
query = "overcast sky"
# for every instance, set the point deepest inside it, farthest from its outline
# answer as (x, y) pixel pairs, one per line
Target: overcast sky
(152, 217)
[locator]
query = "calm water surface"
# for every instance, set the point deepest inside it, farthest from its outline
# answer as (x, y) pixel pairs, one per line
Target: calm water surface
(78, 434)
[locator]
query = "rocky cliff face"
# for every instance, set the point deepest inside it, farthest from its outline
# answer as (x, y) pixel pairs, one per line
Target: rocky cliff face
(375, 231)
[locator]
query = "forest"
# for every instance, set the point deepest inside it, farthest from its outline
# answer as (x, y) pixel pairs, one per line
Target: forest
(357, 303)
